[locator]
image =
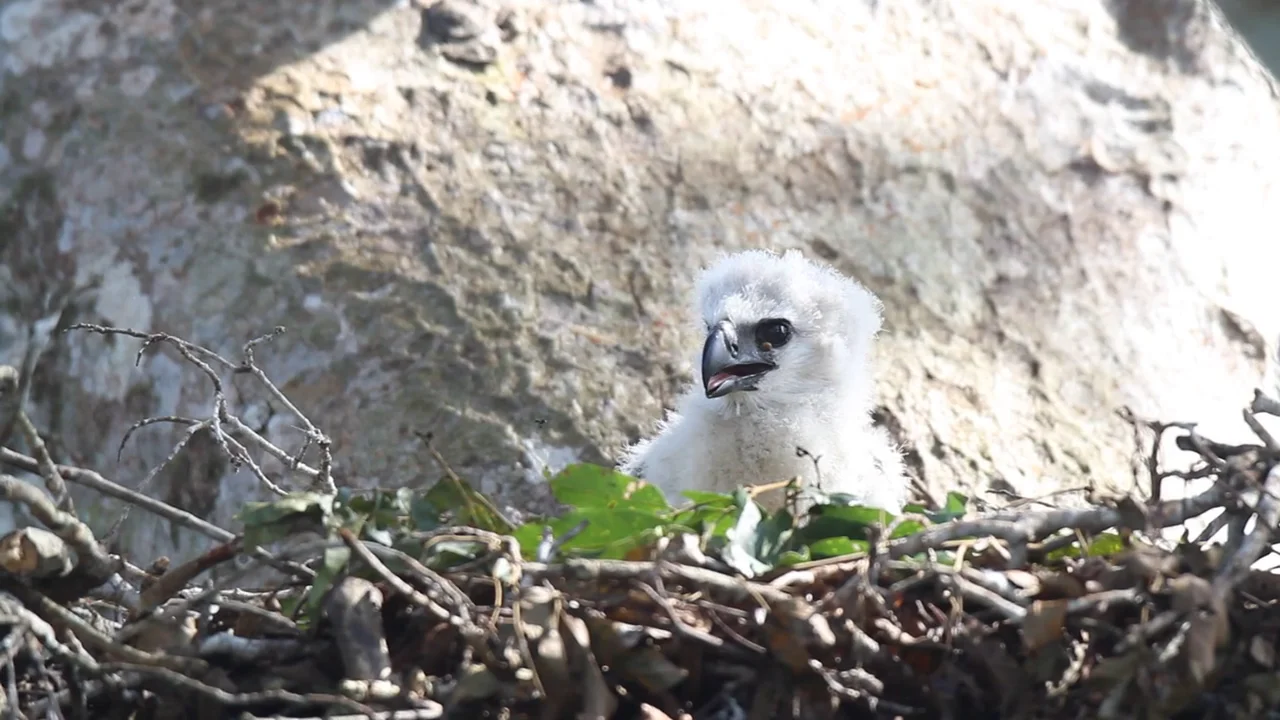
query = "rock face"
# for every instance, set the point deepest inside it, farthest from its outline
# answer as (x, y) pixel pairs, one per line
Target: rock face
(481, 220)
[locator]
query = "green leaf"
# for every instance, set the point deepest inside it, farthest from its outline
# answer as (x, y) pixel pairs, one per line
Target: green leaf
(345, 517)
(711, 515)
(267, 522)
(331, 566)
(860, 514)
(1103, 545)
(724, 524)
(940, 516)
(849, 521)
(446, 554)
(793, 557)
(740, 552)
(710, 499)
(738, 558)
(584, 485)
(1106, 544)
(468, 507)
(272, 511)
(424, 516)
(905, 528)
(837, 546)
(528, 536)
(956, 503)
(609, 533)
(772, 535)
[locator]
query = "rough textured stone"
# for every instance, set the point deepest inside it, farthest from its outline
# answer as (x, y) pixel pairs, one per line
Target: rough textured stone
(1066, 206)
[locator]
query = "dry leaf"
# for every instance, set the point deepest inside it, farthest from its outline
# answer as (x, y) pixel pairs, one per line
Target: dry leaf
(1208, 629)
(35, 553)
(1043, 624)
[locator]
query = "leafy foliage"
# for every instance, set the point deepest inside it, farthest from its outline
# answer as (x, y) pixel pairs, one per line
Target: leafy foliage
(623, 516)
(1106, 544)
(608, 515)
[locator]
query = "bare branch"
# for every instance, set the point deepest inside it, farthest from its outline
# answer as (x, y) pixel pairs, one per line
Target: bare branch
(92, 558)
(96, 482)
(1258, 541)
(325, 475)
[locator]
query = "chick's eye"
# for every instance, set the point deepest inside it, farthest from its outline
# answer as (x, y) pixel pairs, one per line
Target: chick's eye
(773, 334)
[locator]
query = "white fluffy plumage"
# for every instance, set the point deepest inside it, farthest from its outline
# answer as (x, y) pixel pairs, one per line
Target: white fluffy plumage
(786, 365)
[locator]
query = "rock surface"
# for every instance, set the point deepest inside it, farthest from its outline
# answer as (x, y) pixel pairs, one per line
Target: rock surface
(480, 220)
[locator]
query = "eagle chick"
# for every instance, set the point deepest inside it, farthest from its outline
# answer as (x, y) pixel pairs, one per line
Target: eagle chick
(785, 367)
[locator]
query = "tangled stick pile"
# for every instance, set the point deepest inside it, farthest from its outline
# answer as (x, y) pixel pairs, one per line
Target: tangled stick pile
(428, 604)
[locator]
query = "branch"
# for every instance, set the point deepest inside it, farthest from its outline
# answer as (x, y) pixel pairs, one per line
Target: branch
(94, 481)
(92, 558)
(1258, 541)
(1020, 529)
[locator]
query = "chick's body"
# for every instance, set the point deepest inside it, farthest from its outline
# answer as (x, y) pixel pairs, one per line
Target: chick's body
(785, 366)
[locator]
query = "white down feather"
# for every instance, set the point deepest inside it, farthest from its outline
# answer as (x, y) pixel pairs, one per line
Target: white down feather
(820, 397)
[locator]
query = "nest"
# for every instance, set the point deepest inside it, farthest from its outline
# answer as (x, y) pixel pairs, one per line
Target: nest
(417, 605)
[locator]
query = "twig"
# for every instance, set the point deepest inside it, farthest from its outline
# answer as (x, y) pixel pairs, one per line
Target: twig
(1102, 600)
(681, 627)
(44, 632)
(428, 713)
(440, 586)
(56, 614)
(590, 570)
(222, 697)
(453, 477)
(713, 611)
(221, 413)
(176, 578)
(52, 478)
(1252, 421)
(1263, 403)
(1141, 634)
(325, 475)
(292, 462)
(196, 426)
(254, 468)
(1019, 529)
(171, 612)
(400, 586)
(1268, 513)
(92, 558)
(189, 351)
(976, 593)
(94, 481)
(549, 546)
(155, 420)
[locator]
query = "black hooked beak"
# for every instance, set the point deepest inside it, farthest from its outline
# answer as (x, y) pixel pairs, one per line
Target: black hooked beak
(728, 366)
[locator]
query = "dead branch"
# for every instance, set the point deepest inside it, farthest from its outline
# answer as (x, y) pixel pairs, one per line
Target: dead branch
(325, 474)
(1268, 515)
(96, 482)
(91, 557)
